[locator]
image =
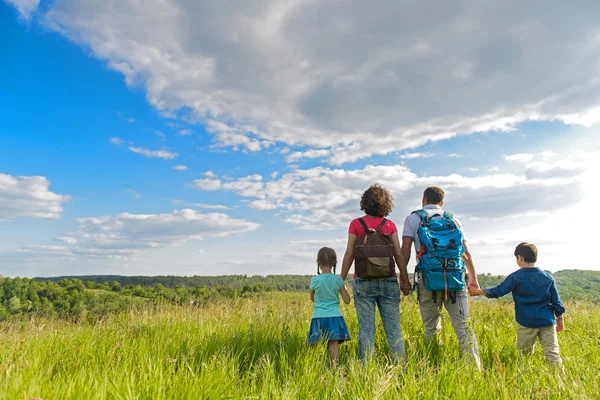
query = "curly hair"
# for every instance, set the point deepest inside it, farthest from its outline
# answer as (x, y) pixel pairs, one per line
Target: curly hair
(377, 201)
(326, 257)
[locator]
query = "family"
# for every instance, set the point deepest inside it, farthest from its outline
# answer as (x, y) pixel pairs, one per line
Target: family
(444, 276)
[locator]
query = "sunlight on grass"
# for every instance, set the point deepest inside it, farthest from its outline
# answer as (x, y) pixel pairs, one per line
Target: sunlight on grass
(255, 348)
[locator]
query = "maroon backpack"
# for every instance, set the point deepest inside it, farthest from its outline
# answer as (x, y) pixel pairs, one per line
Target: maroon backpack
(374, 253)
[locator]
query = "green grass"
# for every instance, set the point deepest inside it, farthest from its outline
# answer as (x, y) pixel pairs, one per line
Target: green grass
(255, 348)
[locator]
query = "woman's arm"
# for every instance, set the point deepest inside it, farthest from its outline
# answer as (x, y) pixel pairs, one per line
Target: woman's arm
(345, 294)
(348, 256)
(312, 296)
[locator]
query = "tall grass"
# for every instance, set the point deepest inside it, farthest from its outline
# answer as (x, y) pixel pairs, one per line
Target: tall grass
(255, 348)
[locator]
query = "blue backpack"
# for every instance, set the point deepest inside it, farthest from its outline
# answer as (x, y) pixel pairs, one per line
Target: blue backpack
(440, 257)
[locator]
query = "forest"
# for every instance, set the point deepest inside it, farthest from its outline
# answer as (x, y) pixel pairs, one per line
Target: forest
(93, 297)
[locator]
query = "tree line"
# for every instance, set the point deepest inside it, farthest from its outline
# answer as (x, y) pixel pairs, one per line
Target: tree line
(93, 297)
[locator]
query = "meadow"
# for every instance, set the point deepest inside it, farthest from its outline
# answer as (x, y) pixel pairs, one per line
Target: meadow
(254, 348)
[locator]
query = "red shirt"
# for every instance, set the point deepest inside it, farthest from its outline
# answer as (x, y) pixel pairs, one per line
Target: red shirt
(372, 222)
(357, 229)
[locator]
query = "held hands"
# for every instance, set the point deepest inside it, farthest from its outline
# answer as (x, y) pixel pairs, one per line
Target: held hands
(474, 288)
(405, 287)
(560, 324)
(476, 291)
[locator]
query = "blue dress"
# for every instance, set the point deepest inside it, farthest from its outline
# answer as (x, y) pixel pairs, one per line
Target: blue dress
(327, 321)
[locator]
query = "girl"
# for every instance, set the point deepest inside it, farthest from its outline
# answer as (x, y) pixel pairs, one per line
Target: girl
(327, 321)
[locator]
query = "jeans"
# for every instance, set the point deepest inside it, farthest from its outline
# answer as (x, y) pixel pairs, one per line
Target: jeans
(385, 293)
(459, 317)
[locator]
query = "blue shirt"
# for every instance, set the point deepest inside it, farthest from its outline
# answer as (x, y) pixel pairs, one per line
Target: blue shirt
(537, 303)
(327, 295)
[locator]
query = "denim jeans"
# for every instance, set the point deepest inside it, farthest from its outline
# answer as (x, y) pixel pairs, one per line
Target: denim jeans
(385, 293)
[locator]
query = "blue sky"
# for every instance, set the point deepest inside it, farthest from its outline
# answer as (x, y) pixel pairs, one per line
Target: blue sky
(275, 133)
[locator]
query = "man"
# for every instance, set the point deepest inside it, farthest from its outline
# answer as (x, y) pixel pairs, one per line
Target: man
(430, 303)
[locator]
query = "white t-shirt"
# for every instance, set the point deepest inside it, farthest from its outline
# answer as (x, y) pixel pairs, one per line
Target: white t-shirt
(412, 222)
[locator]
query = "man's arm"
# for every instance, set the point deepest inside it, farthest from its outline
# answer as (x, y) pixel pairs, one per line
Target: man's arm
(348, 256)
(468, 260)
(312, 296)
(401, 263)
(406, 249)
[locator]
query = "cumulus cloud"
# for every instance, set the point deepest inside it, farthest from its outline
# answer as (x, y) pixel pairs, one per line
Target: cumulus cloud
(326, 198)
(67, 239)
(25, 7)
(521, 157)
(143, 231)
(350, 78)
(164, 154)
(29, 196)
(209, 206)
(557, 169)
(410, 156)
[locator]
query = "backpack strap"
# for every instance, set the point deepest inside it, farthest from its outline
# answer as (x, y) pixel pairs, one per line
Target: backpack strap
(383, 221)
(364, 225)
(421, 213)
(449, 217)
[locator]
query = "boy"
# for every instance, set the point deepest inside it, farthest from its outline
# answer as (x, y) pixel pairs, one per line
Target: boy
(537, 304)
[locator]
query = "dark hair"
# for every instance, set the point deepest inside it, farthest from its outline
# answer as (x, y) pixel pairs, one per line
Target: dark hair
(528, 251)
(327, 257)
(433, 195)
(377, 201)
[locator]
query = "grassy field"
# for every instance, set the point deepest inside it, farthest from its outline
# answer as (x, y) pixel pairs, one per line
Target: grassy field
(255, 348)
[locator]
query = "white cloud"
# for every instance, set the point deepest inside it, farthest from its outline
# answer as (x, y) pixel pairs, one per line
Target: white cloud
(357, 79)
(185, 132)
(166, 155)
(134, 194)
(116, 141)
(209, 206)
(180, 167)
(324, 198)
(521, 157)
(29, 196)
(43, 247)
(210, 174)
(410, 156)
(25, 7)
(454, 155)
(557, 169)
(67, 239)
(207, 184)
(160, 134)
(128, 232)
(298, 155)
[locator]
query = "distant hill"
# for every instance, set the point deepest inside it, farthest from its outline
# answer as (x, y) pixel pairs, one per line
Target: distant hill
(282, 283)
(572, 284)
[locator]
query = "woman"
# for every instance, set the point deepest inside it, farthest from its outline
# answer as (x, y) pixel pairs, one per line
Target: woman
(383, 291)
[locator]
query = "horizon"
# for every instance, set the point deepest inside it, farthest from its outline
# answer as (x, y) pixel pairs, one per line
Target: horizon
(146, 140)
